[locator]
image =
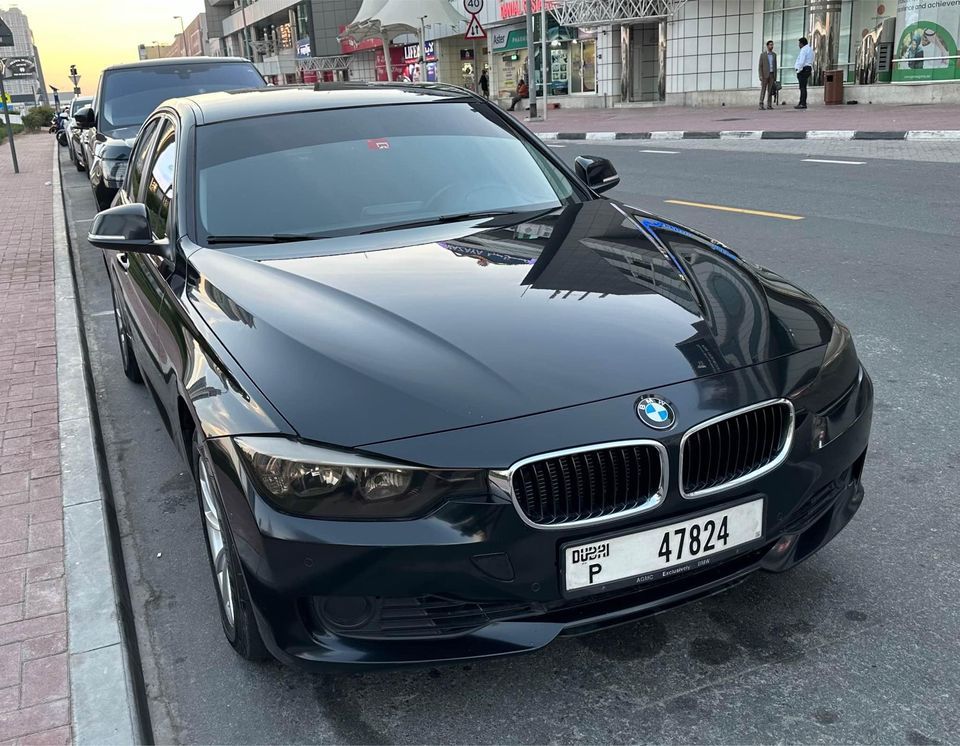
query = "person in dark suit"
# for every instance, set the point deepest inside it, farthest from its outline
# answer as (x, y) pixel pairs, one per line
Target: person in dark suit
(768, 74)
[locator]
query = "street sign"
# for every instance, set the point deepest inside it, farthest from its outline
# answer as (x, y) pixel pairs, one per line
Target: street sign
(19, 67)
(473, 7)
(474, 29)
(6, 35)
(75, 79)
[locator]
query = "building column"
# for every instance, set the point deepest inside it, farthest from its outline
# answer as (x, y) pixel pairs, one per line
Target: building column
(824, 36)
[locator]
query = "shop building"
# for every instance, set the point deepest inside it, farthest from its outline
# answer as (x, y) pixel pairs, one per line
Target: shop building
(605, 53)
(278, 35)
(24, 82)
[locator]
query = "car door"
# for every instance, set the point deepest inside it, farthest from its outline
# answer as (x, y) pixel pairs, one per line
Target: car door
(143, 275)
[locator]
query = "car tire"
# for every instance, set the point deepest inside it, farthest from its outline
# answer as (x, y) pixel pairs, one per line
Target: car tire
(76, 162)
(127, 358)
(236, 609)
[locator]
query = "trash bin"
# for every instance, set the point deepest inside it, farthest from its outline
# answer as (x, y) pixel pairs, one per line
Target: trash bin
(832, 87)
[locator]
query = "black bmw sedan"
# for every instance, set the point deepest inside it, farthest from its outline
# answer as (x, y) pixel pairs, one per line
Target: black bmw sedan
(441, 399)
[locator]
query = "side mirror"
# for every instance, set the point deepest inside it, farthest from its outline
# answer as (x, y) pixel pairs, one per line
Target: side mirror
(598, 173)
(85, 118)
(125, 228)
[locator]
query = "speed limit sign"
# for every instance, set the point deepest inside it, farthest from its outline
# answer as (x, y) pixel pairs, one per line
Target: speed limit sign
(473, 6)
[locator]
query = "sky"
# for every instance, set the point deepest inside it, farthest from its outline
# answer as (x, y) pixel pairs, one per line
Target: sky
(93, 34)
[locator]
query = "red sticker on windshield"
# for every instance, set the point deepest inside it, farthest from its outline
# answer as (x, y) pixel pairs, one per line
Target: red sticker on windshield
(378, 144)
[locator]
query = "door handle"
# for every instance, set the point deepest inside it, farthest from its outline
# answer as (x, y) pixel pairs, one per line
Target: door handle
(123, 261)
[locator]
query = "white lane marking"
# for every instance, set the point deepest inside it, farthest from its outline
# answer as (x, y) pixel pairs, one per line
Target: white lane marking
(102, 313)
(830, 134)
(664, 152)
(601, 135)
(556, 146)
(827, 160)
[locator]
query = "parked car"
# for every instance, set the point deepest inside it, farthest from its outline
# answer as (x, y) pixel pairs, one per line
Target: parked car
(128, 93)
(72, 132)
(443, 400)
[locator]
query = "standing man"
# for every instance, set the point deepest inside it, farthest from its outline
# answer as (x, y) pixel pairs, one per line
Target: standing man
(768, 74)
(804, 68)
(485, 83)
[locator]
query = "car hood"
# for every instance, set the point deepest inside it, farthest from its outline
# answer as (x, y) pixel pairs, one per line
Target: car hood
(117, 144)
(388, 335)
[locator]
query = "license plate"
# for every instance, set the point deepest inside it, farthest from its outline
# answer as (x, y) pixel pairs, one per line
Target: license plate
(660, 552)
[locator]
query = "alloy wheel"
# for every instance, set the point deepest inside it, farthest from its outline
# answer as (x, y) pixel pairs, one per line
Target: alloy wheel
(216, 543)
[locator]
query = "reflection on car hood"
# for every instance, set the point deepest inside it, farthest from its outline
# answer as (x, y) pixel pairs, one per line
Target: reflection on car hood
(589, 302)
(117, 144)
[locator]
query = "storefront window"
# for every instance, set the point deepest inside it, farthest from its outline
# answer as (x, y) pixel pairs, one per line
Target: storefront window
(784, 21)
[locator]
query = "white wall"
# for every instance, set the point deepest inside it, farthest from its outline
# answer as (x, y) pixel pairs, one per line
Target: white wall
(714, 45)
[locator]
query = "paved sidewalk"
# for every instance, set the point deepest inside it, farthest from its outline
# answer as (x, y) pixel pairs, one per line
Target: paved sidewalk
(862, 117)
(34, 678)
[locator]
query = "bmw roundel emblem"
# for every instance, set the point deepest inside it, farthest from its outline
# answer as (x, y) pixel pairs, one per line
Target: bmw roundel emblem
(656, 412)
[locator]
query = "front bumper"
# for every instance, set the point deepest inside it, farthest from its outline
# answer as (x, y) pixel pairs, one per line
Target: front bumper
(472, 580)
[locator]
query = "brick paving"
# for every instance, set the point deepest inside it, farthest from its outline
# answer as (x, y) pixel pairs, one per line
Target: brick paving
(863, 116)
(34, 677)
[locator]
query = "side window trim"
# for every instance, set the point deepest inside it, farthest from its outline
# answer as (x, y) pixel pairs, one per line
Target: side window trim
(166, 130)
(143, 153)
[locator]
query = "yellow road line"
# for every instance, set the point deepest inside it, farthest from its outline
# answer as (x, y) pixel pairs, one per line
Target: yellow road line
(761, 213)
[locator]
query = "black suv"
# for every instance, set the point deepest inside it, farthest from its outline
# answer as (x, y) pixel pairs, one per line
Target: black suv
(126, 96)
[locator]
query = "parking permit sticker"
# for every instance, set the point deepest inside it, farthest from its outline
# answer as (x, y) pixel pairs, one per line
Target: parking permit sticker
(378, 144)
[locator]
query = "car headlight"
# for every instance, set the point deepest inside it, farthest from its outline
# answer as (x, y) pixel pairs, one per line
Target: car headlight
(325, 483)
(834, 397)
(115, 170)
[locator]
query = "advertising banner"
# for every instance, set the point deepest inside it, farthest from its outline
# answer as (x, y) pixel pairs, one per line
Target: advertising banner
(927, 35)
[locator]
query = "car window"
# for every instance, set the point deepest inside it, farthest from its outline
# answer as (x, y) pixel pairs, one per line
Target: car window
(159, 192)
(128, 95)
(138, 160)
(347, 170)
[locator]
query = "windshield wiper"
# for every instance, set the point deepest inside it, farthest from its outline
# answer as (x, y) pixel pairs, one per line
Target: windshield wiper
(272, 238)
(440, 220)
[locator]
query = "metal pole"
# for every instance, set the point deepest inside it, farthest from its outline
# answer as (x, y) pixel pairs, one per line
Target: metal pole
(531, 63)
(386, 57)
(6, 116)
(543, 53)
(423, 50)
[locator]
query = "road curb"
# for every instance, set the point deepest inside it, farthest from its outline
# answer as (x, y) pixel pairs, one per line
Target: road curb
(935, 135)
(104, 702)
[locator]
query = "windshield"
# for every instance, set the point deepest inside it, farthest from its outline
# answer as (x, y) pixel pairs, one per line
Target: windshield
(79, 103)
(129, 95)
(346, 171)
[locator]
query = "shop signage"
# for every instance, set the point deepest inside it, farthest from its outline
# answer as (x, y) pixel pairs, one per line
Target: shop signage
(927, 40)
(304, 48)
(411, 52)
(19, 67)
(507, 38)
(349, 46)
(514, 8)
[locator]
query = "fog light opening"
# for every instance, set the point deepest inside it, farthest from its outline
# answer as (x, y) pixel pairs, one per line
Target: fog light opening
(347, 612)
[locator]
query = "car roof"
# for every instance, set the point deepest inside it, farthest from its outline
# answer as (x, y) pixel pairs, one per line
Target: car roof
(223, 106)
(177, 61)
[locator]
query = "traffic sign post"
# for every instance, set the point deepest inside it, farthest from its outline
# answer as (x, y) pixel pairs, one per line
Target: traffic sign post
(75, 79)
(474, 29)
(6, 40)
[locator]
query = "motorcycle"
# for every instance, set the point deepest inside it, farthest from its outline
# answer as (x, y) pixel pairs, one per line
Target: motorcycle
(58, 126)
